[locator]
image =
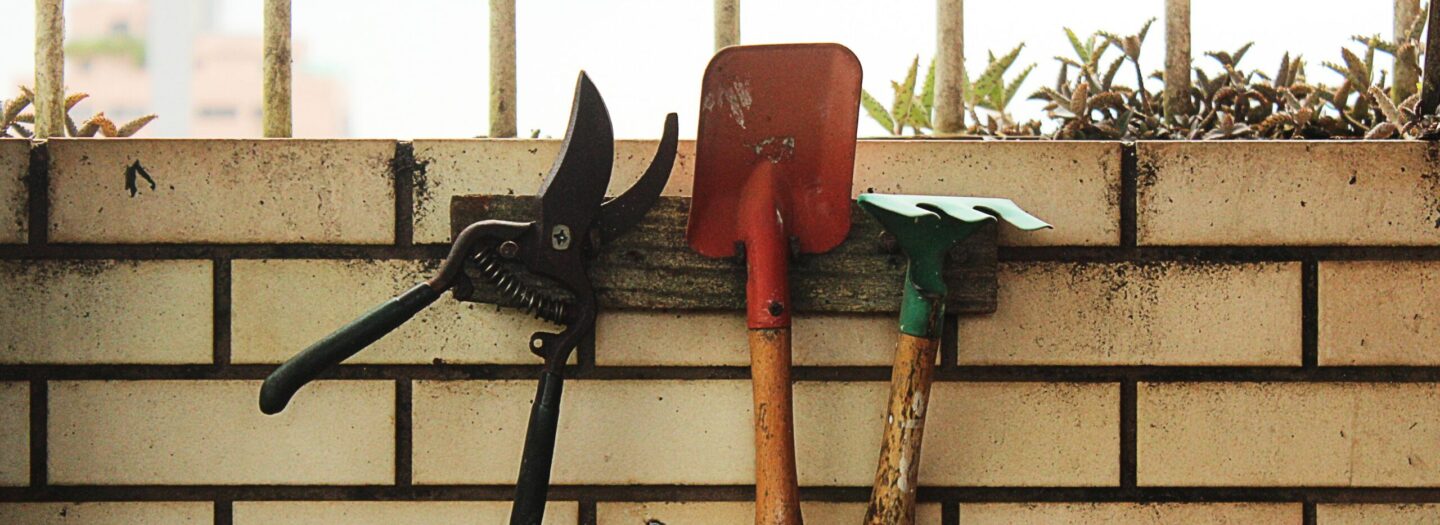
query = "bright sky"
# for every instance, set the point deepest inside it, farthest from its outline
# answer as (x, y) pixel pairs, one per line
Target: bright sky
(418, 69)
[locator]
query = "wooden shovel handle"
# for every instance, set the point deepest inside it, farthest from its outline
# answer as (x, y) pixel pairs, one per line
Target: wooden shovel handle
(777, 493)
(893, 499)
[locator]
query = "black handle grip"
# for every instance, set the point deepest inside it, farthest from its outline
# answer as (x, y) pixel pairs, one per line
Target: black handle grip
(340, 345)
(534, 481)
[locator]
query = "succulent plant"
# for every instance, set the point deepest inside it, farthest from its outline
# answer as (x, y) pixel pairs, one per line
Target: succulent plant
(13, 120)
(992, 92)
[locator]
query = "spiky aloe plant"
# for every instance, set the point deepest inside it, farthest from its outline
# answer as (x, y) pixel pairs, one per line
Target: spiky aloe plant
(13, 119)
(992, 92)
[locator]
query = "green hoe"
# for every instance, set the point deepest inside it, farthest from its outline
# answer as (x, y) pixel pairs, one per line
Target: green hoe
(925, 227)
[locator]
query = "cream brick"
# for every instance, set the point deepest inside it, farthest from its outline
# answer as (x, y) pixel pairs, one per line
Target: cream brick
(627, 338)
(1165, 313)
(1131, 513)
(14, 205)
(94, 312)
(611, 432)
(699, 432)
(1288, 434)
(109, 513)
(279, 307)
(1074, 185)
(390, 512)
(1260, 193)
(729, 512)
(15, 438)
(212, 433)
(1379, 313)
(1377, 514)
(516, 167)
(223, 191)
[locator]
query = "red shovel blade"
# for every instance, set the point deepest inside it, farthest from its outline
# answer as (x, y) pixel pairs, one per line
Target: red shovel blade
(786, 113)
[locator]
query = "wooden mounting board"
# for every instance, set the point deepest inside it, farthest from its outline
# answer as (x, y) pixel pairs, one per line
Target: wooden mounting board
(651, 267)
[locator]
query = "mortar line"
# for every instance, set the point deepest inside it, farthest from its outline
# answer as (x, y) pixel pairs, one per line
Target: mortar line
(1307, 512)
(1310, 314)
(950, 513)
(404, 432)
(959, 374)
(703, 493)
(950, 342)
(37, 187)
(1129, 195)
(221, 308)
(1197, 254)
(224, 512)
(39, 433)
(588, 513)
(402, 168)
(1129, 448)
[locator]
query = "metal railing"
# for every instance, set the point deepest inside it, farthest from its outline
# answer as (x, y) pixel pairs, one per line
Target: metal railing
(949, 53)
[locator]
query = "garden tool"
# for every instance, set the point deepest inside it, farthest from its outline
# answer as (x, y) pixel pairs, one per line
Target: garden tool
(571, 222)
(773, 163)
(925, 228)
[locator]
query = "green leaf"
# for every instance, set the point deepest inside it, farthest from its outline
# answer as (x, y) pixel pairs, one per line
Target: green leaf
(1145, 28)
(1356, 68)
(1080, 50)
(904, 97)
(1014, 86)
(1240, 53)
(877, 111)
(1110, 73)
(927, 93)
(919, 118)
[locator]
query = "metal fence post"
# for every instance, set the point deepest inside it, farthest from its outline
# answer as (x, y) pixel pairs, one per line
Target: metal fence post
(1405, 78)
(49, 68)
(949, 67)
(727, 23)
(1430, 89)
(502, 68)
(276, 117)
(1177, 59)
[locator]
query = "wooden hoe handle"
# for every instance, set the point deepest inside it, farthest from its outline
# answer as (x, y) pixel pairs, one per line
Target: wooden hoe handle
(777, 493)
(892, 501)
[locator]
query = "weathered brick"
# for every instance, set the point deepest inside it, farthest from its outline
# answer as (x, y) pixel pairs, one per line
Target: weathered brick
(728, 512)
(212, 433)
(611, 432)
(1377, 514)
(629, 338)
(109, 513)
(699, 432)
(1164, 313)
(15, 436)
(93, 312)
(1131, 513)
(1288, 434)
(1073, 185)
(282, 306)
(1379, 313)
(223, 191)
(489, 166)
(14, 206)
(1288, 193)
(388, 512)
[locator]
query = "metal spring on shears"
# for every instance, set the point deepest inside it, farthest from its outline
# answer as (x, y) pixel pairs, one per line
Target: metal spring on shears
(527, 299)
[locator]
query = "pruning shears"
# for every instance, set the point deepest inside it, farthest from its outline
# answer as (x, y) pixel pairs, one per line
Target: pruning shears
(573, 219)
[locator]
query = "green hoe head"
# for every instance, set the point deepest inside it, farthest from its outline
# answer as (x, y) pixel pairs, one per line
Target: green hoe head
(925, 227)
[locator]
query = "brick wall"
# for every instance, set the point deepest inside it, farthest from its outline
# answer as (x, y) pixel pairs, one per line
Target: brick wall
(1220, 332)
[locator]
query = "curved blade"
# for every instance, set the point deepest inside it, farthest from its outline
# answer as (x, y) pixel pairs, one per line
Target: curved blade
(619, 214)
(572, 192)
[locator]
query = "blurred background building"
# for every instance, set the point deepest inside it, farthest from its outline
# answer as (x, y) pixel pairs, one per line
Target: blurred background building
(167, 57)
